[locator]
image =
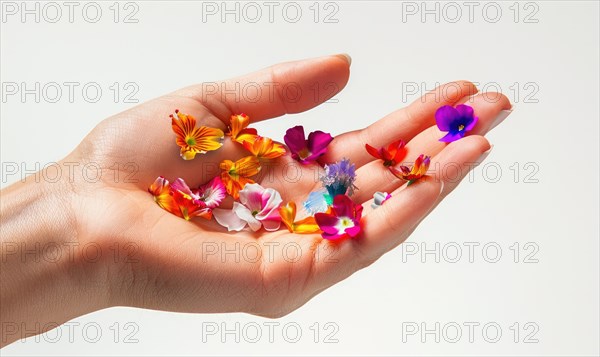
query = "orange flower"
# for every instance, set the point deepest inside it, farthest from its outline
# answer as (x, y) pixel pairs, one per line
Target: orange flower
(264, 148)
(194, 140)
(236, 175)
(160, 189)
(288, 215)
(239, 131)
(418, 170)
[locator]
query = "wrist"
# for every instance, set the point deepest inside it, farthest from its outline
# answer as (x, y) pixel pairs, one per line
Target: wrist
(45, 279)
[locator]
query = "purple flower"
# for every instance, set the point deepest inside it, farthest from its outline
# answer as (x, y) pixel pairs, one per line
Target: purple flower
(339, 178)
(456, 121)
(306, 150)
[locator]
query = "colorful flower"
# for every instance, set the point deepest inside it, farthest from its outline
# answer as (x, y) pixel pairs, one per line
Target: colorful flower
(418, 170)
(184, 202)
(239, 131)
(317, 201)
(237, 174)
(392, 155)
(198, 202)
(306, 150)
(161, 190)
(339, 178)
(258, 207)
(288, 216)
(343, 220)
(194, 140)
(264, 148)
(456, 121)
(379, 198)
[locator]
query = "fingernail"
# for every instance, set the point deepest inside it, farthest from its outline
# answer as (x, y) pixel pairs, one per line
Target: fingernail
(346, 57)
(500, 117)
(441, 187)
(485, 155)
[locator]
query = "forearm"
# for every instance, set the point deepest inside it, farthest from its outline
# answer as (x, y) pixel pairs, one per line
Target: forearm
(39, 272)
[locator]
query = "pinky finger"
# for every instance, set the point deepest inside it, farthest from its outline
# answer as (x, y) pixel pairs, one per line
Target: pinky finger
(390, 224)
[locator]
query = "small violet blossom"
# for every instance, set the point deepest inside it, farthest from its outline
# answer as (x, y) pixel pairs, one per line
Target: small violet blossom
(456, 121)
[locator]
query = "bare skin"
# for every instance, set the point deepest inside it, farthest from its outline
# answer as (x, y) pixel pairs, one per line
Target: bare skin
(118, 248)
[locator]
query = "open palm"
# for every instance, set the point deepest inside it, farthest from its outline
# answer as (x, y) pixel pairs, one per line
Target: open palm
(197, 266)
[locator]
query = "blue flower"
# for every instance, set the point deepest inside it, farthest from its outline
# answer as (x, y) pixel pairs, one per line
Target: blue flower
(316, 202)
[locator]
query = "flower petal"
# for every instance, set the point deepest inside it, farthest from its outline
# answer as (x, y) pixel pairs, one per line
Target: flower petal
(472, 124)
(213, 193)
(444, 116)
(251, 196)
(464, 111)
(452, 136)
(295, 140)
(343, 206)
(317, 143)
(246, 215)
(288, 215)
(228, 219)
(373, 152)
(306, 225)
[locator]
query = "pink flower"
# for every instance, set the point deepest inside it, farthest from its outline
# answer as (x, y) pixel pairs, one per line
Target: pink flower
(258, 207)
(306, 150)
(342, 220)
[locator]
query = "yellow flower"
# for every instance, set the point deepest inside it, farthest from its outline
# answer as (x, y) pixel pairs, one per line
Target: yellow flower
(194, 140)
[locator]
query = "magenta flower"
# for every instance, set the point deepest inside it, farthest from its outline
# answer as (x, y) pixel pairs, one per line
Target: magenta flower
(456, 121)
(258, 207)
(342, 221)
(306, 150)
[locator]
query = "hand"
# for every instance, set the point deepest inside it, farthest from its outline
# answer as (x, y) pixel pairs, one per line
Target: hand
(167, 263)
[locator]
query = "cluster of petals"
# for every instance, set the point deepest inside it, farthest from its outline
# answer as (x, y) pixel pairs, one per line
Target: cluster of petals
(329, 210)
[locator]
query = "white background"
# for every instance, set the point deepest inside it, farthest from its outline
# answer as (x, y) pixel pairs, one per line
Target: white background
(549, 70)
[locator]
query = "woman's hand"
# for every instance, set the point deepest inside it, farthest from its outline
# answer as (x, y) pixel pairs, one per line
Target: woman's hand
(123, 249)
